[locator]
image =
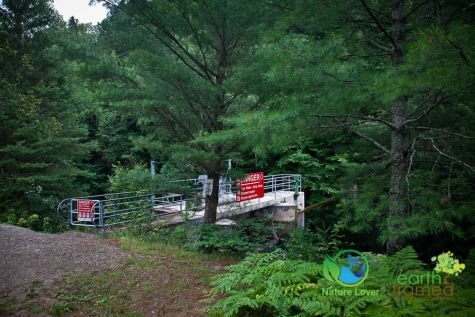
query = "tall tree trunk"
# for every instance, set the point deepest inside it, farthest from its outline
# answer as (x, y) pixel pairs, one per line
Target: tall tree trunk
(211, 208)
(399, 166)
(399, 138)
(211, 201)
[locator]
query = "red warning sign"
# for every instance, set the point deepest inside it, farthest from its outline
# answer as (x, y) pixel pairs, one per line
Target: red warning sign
(85, 210)
(251, 187)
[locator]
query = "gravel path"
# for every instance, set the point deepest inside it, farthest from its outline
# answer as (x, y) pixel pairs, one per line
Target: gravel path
(28, 257)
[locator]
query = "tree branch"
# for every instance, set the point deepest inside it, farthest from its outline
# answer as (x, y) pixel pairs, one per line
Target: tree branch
(378, 24)
(360, 117)
(372, 119)
(417, 7)
(344, 57)
(448, 156)
(343, 125)
(413, 148)
(278, 6)
(460, 51)
(204, 73)
(377, 45)
(367, 138)
(194, 32)
(442, 131)
(428, 110)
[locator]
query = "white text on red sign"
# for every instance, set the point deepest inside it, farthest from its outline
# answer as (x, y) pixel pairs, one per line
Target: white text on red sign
(251, 187)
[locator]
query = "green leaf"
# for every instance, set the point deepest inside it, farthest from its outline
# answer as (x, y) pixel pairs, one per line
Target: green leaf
(331, 270)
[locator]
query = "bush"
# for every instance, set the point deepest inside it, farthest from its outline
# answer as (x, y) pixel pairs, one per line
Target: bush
(272, 285)
(129, 180)
(246, 237)
(32, 222)
(135, 181)
(313, 243)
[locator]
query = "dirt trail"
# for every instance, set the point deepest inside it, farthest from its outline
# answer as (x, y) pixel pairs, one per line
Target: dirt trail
(31, 263)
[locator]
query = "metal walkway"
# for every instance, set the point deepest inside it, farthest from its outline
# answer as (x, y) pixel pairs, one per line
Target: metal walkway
(184, 203)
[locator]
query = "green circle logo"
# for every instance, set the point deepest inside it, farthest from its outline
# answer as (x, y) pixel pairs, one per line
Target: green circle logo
(353, 273)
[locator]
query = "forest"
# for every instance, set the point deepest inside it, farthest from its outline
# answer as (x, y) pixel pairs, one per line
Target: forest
(371, 101)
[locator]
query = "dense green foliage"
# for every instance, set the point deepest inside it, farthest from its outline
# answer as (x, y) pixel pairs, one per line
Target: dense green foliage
(374, 110)
(398, 119)
(272, 285)
(371, 101)
(245, 237)
(313, 243)
(42, 138)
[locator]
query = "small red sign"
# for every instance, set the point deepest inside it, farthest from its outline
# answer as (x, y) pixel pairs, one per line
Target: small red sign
(251, 187)
(85, 210)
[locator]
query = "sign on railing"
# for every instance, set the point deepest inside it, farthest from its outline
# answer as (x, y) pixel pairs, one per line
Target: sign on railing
(251, 187)
(85, 210)
(117, 208)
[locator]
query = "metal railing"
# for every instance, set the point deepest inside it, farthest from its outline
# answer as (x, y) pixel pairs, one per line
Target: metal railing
(282, 182)
(168, 201)
(118, 208)
(105, 210)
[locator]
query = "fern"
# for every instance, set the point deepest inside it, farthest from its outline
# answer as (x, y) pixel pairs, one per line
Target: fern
(405, 260)
(271, 285)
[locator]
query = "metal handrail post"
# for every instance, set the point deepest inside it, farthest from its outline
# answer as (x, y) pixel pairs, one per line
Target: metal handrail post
(70, 213)
(101, 214)
(274, 186)
(101, 218)
(150, 206)
(115, 207)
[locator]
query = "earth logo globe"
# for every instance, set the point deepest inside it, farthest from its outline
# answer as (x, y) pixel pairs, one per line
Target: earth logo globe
(348, 268)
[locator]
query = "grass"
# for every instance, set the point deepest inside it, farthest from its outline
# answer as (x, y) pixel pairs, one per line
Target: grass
(8, 305)
(28, 301)
(158, 279)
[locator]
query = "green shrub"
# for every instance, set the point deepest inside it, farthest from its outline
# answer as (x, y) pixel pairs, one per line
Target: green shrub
(246, 237)
(137, 181)
(272, 285)
(32, 222)
(212, 238)
(162, 233)
(179, 235)
(51, 225)
(313, 243)
(129, 179)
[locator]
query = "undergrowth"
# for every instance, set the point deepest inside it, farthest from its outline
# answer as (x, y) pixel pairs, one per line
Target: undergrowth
(272, 285)
(246, 237)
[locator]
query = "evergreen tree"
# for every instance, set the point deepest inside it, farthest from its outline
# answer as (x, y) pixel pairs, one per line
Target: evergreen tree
(112, 132)
(41, 140)
(174, 67)
(397, 76)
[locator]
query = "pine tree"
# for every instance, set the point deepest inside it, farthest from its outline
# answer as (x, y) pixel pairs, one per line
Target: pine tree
(40, 138)
(395, 76)
(178, 78)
